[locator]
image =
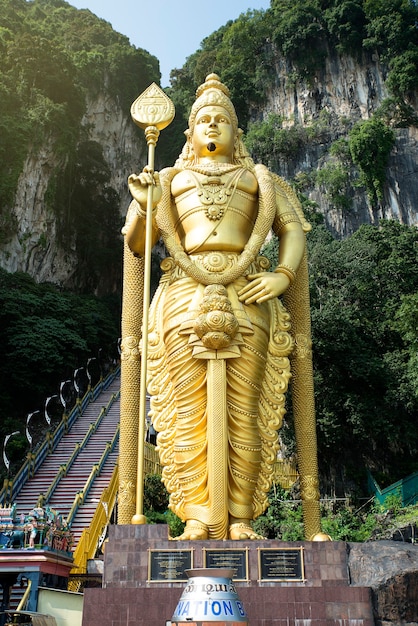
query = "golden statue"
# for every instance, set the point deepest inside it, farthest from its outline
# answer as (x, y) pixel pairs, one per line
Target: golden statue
(222, 345)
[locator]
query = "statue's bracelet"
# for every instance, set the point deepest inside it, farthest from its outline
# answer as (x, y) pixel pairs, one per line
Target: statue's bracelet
(140, 211)
(287, 271)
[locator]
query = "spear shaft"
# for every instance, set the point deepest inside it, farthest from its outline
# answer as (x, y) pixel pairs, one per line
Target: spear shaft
(152, 111)
(152, 134)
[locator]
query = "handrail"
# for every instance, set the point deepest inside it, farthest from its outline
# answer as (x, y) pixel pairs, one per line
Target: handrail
(81, 495)
(97, 468)
(152, 464)
(80, 446)
(22, 604)
(44, 498)
(11, 487)
(88, 542)
(63, 471)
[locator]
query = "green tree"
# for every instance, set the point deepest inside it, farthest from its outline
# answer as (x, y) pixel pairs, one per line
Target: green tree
(335, 178)
(239, 54)
(269, 142)
(345, 22)
(283, 517)
(402, 79)
(406, 323)
(365, 399)
(391, 26)
(45, 334)
(370, 143)
(298, 31)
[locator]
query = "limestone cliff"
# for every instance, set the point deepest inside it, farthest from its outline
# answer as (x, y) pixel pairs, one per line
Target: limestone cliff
(390, 569)
(342, 93)
(34, 246)
(67, 144)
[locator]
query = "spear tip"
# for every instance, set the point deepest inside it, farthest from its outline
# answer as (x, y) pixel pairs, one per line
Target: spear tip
(153, 108)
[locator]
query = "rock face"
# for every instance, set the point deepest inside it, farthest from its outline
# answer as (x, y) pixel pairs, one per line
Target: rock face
(390, 568)
(347, 91)
(345, 86)
(34, 247)
(344, 91)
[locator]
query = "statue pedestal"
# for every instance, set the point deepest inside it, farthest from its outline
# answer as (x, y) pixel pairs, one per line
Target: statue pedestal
(279, 583)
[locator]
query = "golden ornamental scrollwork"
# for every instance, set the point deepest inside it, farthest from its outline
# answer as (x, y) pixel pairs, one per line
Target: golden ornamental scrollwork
(216, 325)
(130, 350)
(127, 492)
(303, 346)
(309, 487)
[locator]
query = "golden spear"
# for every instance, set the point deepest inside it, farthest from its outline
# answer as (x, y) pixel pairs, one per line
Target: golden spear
(152, 111)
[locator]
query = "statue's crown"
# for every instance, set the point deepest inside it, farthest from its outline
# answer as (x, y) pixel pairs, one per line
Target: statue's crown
(212, 82)
(213, 92)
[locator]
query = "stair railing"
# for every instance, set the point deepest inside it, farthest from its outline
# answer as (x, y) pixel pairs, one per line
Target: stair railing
(88, 543)
(81, 496)
(34, 460)
(22, 604)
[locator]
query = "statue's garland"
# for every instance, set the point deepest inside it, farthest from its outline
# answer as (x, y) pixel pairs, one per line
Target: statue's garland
(263, 223)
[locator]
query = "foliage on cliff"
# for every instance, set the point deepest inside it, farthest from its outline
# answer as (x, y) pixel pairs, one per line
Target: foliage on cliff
(303, 32)
(51, 57)
(299, 35)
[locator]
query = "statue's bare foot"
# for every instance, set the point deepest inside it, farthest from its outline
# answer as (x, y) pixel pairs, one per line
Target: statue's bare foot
(243, 530)
(193, 531)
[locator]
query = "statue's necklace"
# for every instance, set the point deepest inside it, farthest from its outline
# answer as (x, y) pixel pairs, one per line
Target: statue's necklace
(213, 169)
(216, 195)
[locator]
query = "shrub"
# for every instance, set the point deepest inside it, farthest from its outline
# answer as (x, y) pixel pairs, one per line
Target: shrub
(370, 144)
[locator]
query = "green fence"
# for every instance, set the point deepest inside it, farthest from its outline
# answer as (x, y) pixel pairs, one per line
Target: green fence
(407, 489)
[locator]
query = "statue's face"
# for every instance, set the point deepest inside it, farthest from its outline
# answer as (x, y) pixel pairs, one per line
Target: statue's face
(213, 127)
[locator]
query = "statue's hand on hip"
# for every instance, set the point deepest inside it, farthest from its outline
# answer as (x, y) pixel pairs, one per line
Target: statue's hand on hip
(263, 286)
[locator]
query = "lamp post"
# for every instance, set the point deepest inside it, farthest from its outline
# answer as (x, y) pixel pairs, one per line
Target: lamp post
(5, 458)
(46, 414)
(61, 394)
(93, 358)
(76, 385)
(28, 435)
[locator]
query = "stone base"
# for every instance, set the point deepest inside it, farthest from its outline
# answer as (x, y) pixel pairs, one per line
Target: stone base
(128, 598)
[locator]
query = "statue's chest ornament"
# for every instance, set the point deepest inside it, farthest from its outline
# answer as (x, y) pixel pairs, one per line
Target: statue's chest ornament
(215, 195)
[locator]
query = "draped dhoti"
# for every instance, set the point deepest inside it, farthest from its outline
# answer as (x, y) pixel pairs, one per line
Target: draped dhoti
(217, 410)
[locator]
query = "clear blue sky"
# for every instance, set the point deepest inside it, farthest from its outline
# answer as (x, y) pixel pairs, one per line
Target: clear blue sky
(170, 30)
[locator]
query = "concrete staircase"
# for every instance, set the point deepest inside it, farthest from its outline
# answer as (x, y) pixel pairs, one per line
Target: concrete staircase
(75, 479)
